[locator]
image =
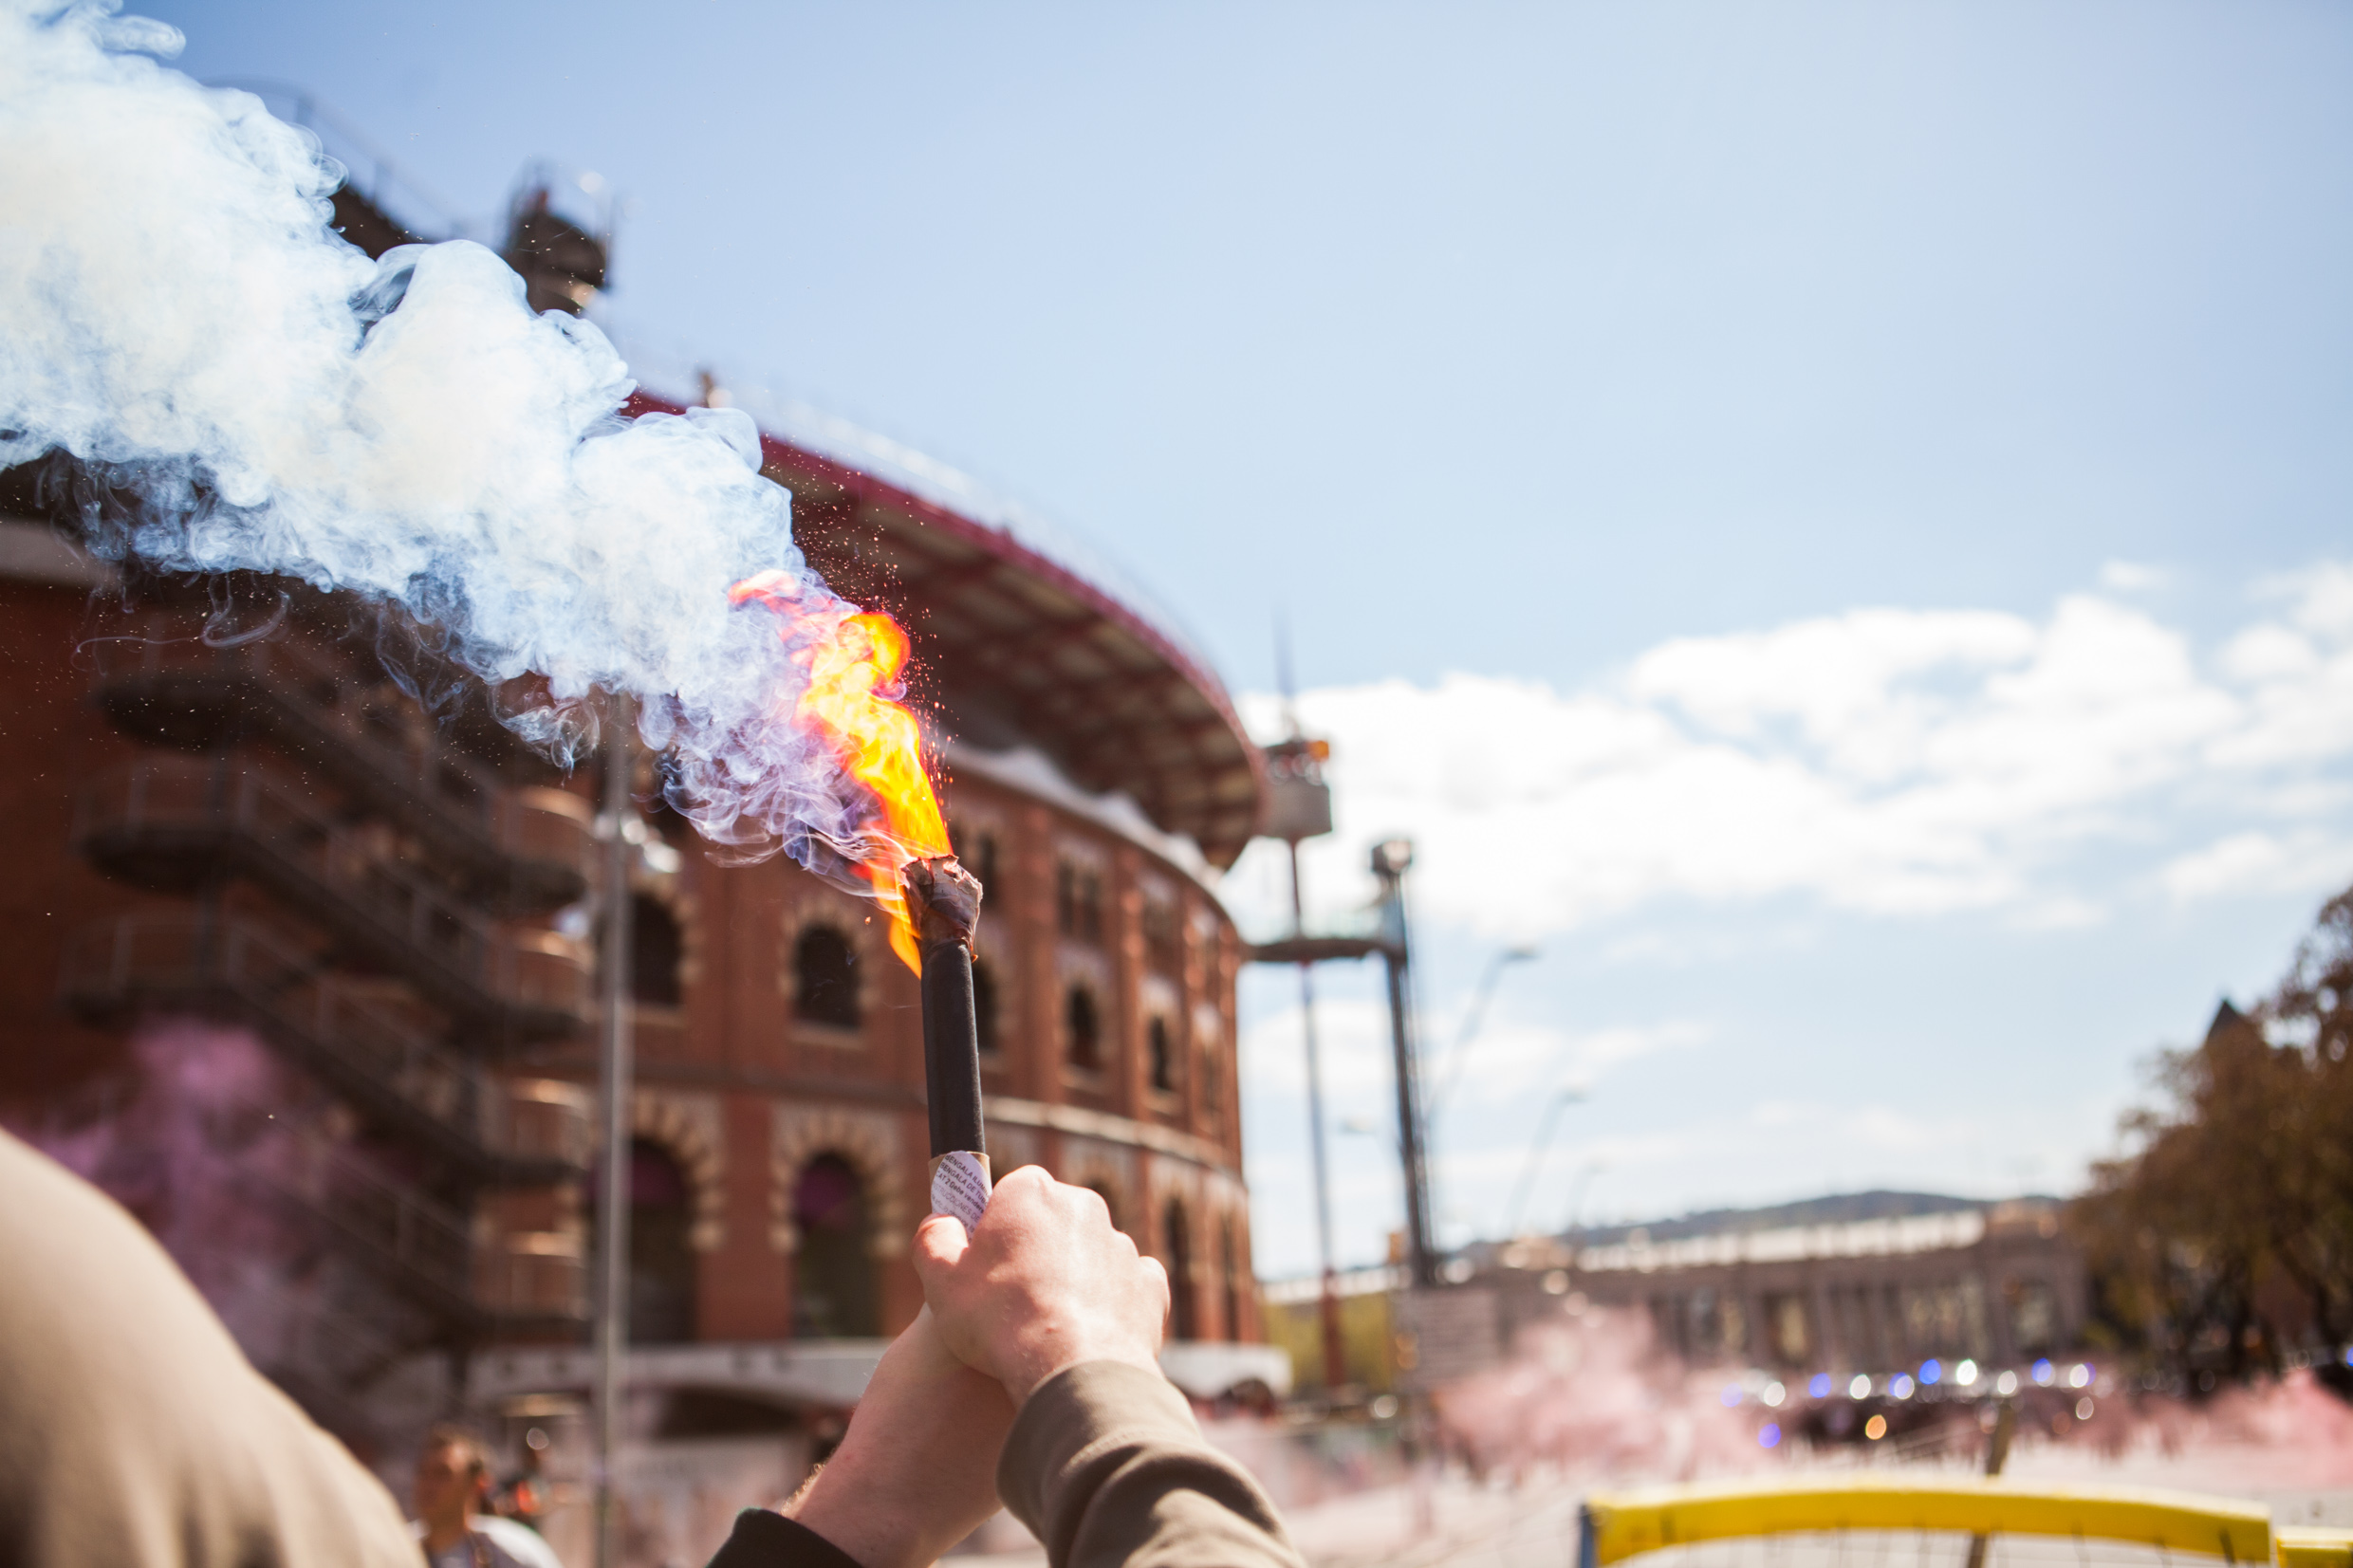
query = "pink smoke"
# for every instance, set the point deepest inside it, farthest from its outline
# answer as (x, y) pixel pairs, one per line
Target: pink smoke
(1592, 1394)
(202, 1111)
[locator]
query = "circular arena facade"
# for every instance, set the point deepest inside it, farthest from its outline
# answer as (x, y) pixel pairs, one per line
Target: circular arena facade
(303, 947)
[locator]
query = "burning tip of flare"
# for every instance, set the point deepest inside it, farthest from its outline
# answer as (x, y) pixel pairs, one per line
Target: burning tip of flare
(944, 899)
(856, 670)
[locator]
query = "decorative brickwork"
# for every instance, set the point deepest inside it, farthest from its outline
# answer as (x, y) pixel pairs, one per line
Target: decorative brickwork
(688, 1126)
(868, 1140)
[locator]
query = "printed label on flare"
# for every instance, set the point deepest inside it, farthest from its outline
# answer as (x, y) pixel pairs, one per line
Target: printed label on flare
(960, 1185)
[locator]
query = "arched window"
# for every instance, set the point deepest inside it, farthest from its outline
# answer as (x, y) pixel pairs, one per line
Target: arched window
(833, 1296)
(1161, 1054)
(657, 946)
(661, 1257)
(1230, 1273)
(1180, 1259)
(1164, 945)
(824, 978)
(1084, 1027)
(1078, 902)
(985, 1005)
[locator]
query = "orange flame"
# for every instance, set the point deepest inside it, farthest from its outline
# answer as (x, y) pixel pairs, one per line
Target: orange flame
(850, 668)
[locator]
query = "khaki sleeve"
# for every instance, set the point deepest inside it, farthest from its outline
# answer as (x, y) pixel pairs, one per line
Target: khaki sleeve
(1105, 1466)
(137, 1434)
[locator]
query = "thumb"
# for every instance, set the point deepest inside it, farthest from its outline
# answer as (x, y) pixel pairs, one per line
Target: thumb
(940, 1245)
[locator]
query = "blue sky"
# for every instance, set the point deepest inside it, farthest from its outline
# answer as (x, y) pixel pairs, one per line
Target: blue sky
(1817, 516)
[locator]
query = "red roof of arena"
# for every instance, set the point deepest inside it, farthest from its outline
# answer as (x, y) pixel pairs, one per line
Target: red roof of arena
(1017, 647)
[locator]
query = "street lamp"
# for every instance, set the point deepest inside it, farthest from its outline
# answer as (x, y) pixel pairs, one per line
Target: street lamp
(1568, 1093)
(1473, 1021)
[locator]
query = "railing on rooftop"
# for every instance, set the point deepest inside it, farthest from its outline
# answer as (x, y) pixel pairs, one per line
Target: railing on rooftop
(367, 168)
(843, 442)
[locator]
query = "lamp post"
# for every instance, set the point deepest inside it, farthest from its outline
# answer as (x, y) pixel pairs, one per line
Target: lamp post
(1299, 808)
(1567, 1096)
(1392, 858)
(613, 1083)
(1474, 1022)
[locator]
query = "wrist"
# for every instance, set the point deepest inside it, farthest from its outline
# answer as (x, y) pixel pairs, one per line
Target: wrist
(1033, 1374)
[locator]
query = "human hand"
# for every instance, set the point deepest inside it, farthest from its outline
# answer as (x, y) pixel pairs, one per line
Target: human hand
(916, 1471)
(1042, 1282)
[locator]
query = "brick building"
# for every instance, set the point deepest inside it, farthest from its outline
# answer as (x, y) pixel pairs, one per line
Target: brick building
(244, 857)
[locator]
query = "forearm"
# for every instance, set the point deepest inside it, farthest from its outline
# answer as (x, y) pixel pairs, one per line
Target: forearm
(1106, 1466)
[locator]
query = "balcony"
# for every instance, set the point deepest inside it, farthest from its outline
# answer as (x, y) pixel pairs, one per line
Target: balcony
(519, 850)
(520, 1133)
(425, 1251)
(179, 825)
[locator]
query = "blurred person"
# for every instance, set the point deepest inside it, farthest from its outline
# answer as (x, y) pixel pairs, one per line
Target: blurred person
(137, 1434)
(1032, 1376)
(450, 1492)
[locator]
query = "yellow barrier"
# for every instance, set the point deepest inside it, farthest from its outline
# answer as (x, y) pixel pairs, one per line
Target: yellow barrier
(2299, 1547)
(1620, 1526)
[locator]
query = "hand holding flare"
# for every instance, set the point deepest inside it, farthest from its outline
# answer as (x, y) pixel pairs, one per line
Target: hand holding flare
(945, 900)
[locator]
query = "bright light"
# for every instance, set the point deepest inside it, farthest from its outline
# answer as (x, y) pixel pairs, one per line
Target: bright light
(2006, 1384)
(2083, 1408)
(1964, 1373)
(1768, 1435)
(1820, 1386)
(1774, 1393)
(2040, 1371)
(2079, 1376)
(1876, 1428)
(1932, 1373)
(1731, 1395)
(1859, 1388)
(1901, 1386)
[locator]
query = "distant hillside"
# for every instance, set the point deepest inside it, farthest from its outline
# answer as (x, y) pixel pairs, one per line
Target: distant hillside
(1839, 1208)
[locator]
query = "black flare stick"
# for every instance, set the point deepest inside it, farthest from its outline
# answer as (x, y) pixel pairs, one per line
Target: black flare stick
(943, 900)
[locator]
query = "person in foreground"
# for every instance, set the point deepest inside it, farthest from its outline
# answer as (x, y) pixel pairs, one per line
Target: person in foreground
(136, 1434)
(1032, 1374)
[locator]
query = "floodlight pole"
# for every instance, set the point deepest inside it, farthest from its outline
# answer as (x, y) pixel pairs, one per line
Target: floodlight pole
(613, 1087)
(1390, 859)
(1327, 1301)
(1299, 807)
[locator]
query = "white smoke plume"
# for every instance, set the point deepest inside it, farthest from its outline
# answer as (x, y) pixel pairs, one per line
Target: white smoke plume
(176, 314)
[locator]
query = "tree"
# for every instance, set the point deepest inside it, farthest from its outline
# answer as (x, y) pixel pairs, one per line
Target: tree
(2224, 1239)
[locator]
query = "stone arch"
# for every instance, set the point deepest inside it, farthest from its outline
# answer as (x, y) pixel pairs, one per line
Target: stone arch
(687, 1127)
(868, 1141)
(1179, 1253)
(1207, 1046)
(1082, 1027)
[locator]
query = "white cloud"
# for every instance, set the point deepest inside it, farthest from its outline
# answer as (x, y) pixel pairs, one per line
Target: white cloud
(2133, 577)
(2257, 862)
(1508, 1060)
(1881, 761)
